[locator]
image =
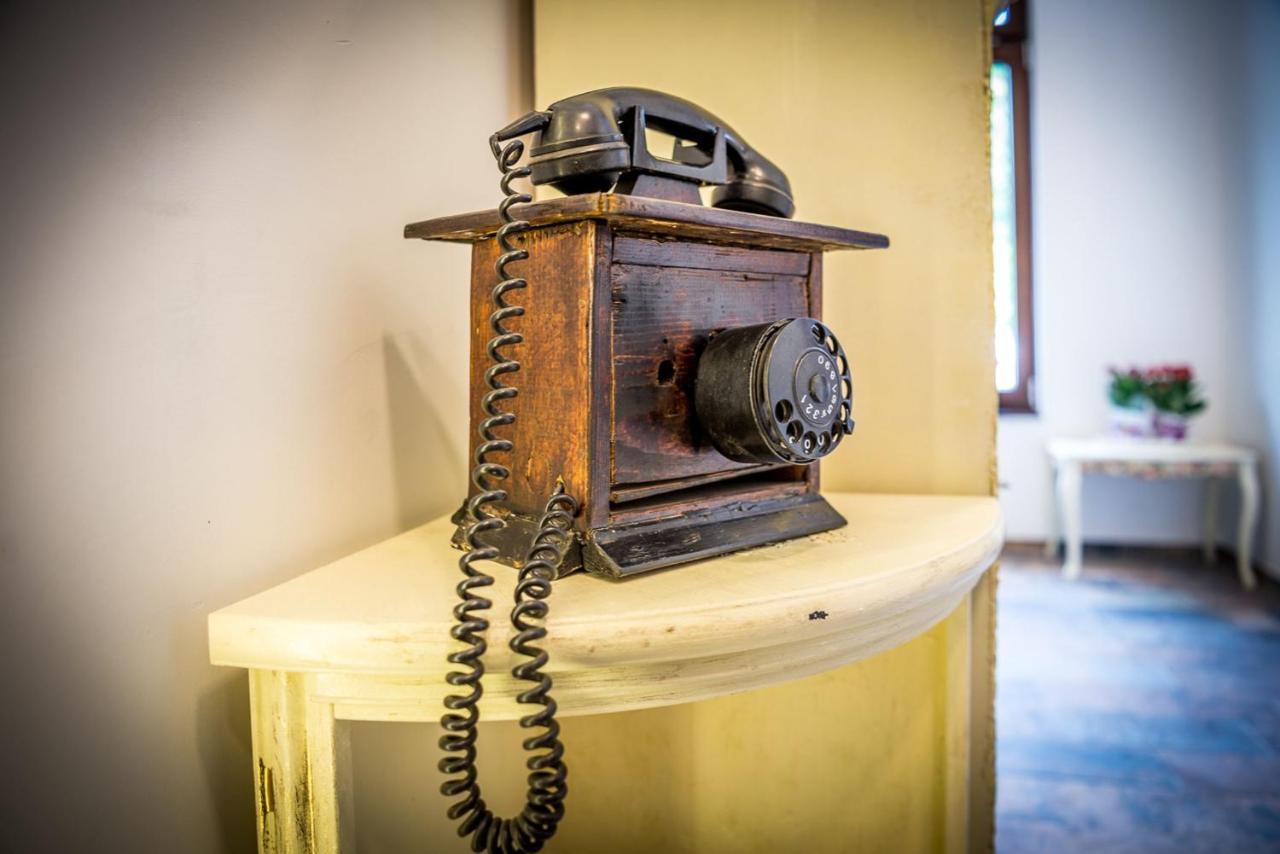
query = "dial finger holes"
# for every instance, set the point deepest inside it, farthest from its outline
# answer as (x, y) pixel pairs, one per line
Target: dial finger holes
(835, 434)
(846, 389)
(818, 332)
(783, 411)
(831, 344)
(794, 431)
(844, 365)
(844, 411)
(809, 442)
(823, 441)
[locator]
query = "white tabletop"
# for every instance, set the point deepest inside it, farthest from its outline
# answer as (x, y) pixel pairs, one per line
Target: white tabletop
(1120, 449)
(708, 628)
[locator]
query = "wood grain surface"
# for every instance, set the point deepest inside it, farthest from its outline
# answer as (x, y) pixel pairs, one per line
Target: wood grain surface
(552, 432)
(658, 217)
(662, 320)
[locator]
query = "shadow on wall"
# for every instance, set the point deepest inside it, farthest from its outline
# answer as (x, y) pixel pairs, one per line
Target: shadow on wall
(222, 724)
(226, 757)
(417, 433)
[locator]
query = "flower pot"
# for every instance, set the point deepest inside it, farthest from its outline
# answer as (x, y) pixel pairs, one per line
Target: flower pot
(1136, 422)
(1171, 425)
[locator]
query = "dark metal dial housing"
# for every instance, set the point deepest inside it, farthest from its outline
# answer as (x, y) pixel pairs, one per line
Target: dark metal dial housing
(775, 392)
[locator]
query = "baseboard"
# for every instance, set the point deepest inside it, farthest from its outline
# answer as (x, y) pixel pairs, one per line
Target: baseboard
(1119, 544)
(1222, 552)
(1259, 566)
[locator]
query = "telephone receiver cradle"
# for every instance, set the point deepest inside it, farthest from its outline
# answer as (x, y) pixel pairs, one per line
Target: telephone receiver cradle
(599, 141)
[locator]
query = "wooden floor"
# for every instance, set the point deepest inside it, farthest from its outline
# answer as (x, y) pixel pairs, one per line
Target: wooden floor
(1138, 709)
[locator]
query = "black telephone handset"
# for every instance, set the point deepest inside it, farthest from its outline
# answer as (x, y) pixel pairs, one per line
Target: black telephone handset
(597, 141)
(770, 394)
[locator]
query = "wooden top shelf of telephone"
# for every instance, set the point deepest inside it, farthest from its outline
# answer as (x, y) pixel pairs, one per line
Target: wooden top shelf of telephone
(657, 217)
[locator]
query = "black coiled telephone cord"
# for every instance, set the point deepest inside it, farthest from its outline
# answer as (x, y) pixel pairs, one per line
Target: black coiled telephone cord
(544, 804)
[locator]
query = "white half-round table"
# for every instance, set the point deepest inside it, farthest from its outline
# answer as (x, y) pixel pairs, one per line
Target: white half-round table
(365, 638)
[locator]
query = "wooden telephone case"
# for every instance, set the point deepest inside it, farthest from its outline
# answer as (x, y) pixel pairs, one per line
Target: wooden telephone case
(624, 293)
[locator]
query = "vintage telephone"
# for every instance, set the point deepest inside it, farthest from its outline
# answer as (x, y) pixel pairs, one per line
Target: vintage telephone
(675, 390)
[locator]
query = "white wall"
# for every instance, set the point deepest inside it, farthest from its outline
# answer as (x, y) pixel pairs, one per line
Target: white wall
(1141, 239)
(1256, 409)
(220, 366)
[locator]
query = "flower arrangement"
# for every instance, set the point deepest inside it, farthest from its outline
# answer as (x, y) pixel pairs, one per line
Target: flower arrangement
(1156, 401)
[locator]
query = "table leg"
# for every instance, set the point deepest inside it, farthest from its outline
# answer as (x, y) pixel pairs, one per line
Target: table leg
(1209, 539)
(1051, 535)
(298, 758)
(1247, 475)
(1069, 483)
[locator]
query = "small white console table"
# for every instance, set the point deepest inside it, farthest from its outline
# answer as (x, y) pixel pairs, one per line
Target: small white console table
(1071, 459)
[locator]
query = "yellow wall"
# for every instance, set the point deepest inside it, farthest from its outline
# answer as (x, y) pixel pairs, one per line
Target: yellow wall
(877, 112)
